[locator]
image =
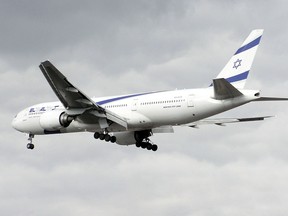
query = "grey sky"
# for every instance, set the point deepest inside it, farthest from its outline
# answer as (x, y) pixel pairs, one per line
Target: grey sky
(117, 47)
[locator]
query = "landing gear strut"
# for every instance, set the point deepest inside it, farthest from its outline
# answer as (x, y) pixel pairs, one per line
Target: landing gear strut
(105, 136)
(30, 145)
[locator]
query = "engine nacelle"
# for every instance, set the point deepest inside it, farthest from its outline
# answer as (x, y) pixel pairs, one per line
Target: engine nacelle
(131, 137)
(55, 120)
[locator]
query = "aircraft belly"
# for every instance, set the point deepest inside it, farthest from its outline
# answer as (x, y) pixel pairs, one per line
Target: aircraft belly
(139, 120)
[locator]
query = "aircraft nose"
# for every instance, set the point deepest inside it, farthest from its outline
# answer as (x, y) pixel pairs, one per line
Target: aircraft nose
(15, 123)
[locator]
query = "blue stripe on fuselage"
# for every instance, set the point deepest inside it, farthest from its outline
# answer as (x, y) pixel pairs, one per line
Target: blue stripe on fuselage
(123, 97)
(249, 45)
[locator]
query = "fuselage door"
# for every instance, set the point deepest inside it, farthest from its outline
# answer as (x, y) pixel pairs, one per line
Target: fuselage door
(190, 101)
(134, 104)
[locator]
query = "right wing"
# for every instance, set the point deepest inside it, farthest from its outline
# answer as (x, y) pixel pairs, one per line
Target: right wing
(76, 102)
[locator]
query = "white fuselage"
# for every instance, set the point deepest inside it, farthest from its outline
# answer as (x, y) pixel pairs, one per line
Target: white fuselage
(141, 111)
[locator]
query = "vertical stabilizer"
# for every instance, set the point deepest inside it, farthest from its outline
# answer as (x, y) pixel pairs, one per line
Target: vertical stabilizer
(238, 67)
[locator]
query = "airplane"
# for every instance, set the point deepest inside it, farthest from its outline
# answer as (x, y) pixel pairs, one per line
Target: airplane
(132, 119)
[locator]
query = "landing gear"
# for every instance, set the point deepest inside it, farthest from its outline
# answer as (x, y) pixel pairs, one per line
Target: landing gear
(147, 145)
(30, 145)
(105, 136)
(143, 141)
(141, 138)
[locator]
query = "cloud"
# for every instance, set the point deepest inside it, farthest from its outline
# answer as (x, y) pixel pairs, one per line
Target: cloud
(112, 47)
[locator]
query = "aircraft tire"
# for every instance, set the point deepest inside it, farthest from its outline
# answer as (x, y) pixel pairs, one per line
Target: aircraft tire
(30, 146)
(149, 146)
(102, 136)
(113, 139)
(154, 147)
(143, 145)
(96, 135)
(107, 137)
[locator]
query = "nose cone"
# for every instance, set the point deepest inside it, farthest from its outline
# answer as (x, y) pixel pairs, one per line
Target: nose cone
(24, 124)
(18, 123)
(15, 123)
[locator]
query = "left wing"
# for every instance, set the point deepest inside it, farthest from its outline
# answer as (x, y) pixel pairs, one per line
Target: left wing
(223, 121)
(75, 101)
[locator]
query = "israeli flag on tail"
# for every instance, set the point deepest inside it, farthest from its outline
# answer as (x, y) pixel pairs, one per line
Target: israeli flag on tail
(237, 69)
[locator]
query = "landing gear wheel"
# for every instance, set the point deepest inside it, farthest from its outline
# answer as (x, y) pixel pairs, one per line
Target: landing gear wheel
(154, 147)
(96, 135)
(30, 146)
(149, 146)
(143, 145)
(102, 136)
(107, 137)
(113, 139)
(138, 144)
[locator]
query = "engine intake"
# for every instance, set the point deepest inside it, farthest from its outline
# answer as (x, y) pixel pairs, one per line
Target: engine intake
(65, 120)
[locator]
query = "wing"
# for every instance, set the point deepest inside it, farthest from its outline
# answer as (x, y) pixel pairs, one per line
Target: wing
(223, 121)
(75, 101)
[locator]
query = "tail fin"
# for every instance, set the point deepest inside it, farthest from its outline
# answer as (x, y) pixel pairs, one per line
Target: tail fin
(237, 69)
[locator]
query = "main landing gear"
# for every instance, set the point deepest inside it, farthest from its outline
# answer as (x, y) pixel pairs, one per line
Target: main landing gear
(30, 145)
(105, 136)
(147, 144)
(143, 141)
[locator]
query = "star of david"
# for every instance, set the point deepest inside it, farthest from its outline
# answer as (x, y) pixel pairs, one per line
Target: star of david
(237, 63)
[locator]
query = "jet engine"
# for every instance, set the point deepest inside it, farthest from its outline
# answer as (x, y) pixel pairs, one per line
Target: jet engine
(55, 120)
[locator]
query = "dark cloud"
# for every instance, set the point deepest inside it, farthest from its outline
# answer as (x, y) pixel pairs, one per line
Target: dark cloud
(100, 29)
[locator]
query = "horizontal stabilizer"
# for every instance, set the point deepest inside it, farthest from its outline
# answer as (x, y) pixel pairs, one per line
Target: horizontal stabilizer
(223, 121)
(271, 99)
(224, 90)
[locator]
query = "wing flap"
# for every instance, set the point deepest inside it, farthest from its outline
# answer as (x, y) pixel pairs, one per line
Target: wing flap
(116, 118)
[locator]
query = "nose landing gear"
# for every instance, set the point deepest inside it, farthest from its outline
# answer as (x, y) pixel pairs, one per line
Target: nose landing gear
(30, 145)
